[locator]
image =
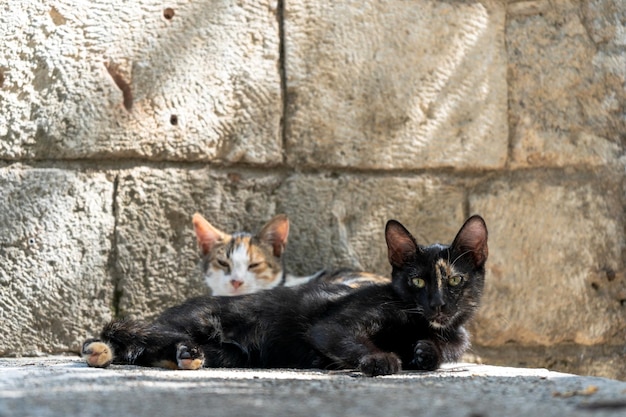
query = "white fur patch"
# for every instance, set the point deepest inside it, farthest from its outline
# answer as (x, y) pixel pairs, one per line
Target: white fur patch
(221, 281)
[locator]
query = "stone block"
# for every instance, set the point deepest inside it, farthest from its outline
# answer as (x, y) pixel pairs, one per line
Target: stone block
(396, 84)
(198, 80)
(157, 254)
(339, 221)
(57, 227)
(567, 71)
(556, 268)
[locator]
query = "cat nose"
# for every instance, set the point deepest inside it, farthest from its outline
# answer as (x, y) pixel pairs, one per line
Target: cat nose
(235, 283)
(437, 302)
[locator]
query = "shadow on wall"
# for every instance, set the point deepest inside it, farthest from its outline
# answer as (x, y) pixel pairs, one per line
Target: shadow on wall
(159, 83)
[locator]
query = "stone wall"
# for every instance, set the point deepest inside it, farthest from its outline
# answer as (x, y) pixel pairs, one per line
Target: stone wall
(118, 121)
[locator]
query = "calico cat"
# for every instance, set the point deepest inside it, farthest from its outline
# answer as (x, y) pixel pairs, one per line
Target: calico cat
(414, 322)
(242, 263)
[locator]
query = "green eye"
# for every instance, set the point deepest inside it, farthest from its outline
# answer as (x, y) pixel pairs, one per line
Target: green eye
(418, 282)
(455, 280)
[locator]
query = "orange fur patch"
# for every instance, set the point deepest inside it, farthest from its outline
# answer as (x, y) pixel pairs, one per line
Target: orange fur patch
(268, 269)
(191, 364)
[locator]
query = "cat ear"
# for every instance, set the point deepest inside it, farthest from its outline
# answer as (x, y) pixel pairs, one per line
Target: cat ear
(275, 232)
(206, 233)
(472, 239)
(401, 245)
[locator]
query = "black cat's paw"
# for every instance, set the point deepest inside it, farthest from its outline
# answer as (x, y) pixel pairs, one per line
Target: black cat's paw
(426, 356)
(383, 363)
(96, 353)
(189, 357)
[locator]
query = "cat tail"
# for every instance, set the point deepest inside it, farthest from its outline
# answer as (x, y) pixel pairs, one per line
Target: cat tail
(121, 341)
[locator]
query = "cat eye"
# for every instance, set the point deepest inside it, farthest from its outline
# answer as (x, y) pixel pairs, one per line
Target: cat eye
(254, 265)
(455, 280)
(223, 263)
(418, 282)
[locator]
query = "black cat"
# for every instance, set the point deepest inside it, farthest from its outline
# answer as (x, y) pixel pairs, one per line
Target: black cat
(414, 322)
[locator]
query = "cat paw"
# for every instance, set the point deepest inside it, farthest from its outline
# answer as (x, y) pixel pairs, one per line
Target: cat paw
(426, 356)
(383, 363)
(97, 354)
(190, 358)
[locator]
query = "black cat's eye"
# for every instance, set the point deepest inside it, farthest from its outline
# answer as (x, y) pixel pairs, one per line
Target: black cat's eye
(418, 282)
(455, 280)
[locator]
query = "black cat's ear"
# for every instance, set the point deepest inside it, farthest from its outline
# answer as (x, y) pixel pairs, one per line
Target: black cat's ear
(275, 233)
(401, 246)
(472, 240)
(206, 234)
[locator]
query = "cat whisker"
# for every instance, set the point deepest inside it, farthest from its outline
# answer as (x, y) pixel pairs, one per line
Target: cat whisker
(414, 310)
(460, 256)
(392, 303)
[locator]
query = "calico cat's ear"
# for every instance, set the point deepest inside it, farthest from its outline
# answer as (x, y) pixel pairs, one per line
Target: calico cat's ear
(472, 239)
(206, 233)
(275, 233)
(401, 245)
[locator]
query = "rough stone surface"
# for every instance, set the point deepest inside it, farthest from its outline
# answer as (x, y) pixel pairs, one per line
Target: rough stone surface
(567, 71)
(340, 221)
(556, 267)
(395, 84)
(65, 387)
(605, 359)
(110, 80)
(55, 245)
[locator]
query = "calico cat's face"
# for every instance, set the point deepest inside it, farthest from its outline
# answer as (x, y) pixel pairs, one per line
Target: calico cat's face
(443, 282)
(242, 263)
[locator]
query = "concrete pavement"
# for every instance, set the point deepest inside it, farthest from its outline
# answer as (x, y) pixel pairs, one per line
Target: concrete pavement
(65, 386)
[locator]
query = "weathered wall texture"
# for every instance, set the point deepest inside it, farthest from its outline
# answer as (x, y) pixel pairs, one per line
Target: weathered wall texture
(119, 121)
(55, 249)
(396, 84)
(105, 80)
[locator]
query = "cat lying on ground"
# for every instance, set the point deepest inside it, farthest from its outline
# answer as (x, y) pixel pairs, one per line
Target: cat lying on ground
(242, 263)
(414, 322)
